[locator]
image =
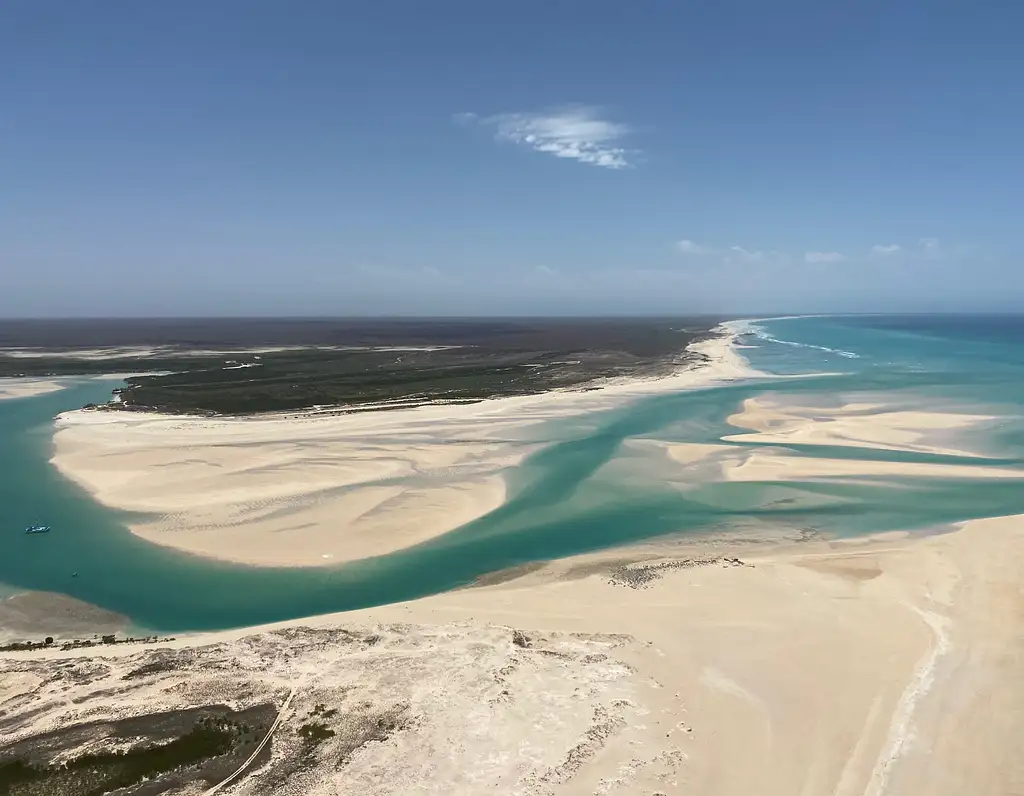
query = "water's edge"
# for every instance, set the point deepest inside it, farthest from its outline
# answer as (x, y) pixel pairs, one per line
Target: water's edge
(584, 492)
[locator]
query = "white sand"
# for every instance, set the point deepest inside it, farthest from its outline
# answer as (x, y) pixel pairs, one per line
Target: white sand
(873, 426)
(852, 425)
(821, 668)
(764, 465)
(882, 666)
(878, 667)
(314, 490)
(27, 388)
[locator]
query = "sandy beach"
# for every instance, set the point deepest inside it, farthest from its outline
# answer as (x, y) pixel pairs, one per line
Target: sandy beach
(310, 489)
(26, 388)
(538, 399)
(883, 665)
(888, 665)
(777, 664)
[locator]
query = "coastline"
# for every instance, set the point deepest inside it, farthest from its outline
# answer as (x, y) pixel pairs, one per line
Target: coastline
(316, 490)
(14, 387)
(883, 664)
(898, 650)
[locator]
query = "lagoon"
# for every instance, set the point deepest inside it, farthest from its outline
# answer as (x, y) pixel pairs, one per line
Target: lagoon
(591, 486)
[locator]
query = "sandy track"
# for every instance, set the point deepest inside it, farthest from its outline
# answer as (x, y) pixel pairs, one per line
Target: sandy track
(259, 747)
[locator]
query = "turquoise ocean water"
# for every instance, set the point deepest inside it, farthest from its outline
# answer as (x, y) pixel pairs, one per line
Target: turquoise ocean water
(595, 485)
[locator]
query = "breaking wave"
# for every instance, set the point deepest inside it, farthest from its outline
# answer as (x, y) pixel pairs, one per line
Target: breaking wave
(752, 328)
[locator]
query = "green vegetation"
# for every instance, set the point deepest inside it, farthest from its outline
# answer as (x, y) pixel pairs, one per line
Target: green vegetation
(21, 646)
(219, 367)
(97, 774)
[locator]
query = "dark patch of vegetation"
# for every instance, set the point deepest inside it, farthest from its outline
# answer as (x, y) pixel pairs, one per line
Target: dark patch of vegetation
(641, 576)
(354, 362)
(315, 732)
(358, 729)
(97, 774)
(162, 664)
(20, 646)
(203, 744)
(323, 711)
(16, 772)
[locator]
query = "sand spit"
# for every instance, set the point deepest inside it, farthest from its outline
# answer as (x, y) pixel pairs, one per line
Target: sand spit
(27, 388)
(878, 666)
(777, 466)
(24, 614)
(861, 425)
(309, 489)
(770, 427)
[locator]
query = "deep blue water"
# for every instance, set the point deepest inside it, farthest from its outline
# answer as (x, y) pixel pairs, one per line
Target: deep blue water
(587, 489)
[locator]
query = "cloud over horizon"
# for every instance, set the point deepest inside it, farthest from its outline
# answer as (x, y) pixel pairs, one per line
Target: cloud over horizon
(689, 247)
(885, 250)
(731, 254)
(575, 132)
(924, 249)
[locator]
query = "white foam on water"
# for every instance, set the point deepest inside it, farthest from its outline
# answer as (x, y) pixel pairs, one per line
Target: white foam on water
(752, 327)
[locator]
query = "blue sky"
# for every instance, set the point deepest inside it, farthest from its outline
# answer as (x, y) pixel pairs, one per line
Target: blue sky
(336, 158)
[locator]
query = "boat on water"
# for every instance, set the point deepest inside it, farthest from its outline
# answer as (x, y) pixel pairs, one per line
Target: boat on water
(37, 529)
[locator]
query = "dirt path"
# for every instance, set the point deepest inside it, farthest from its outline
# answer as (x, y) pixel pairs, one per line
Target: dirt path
(238, 771)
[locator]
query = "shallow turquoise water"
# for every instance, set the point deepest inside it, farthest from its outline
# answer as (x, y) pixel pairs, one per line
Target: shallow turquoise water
(589, 489)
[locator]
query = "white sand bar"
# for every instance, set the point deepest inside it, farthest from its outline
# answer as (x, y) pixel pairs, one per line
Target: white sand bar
(310, 489)
(851, 425)
(27, 388)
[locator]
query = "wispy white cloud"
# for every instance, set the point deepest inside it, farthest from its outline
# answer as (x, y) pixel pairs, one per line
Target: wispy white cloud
(885, 249)
(927, 249)
(544, 270)
(824, 257)
(934, 249)
(735, 253)
(730, 254)
(577, 132)
(689, 247)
